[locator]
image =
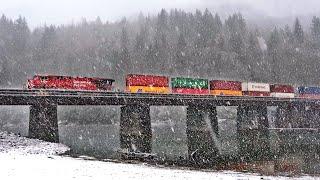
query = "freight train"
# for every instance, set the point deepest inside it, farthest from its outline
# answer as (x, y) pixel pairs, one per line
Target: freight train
(137, 83)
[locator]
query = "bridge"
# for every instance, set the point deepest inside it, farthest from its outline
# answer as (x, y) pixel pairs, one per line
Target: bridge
(135, 122)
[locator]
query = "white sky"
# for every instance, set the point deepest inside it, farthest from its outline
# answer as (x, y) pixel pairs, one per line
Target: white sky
(39, 12)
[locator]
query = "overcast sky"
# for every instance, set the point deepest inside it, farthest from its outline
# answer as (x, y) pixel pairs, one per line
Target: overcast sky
(39, 12)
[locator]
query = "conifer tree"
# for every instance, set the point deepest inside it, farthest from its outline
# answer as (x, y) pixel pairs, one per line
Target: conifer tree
(298, 32)
(315, 31)
(274, 54)
(125, 62)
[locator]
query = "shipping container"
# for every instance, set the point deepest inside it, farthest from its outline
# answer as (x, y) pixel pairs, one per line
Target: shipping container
(148, 89)
(181, 82)
(225, 85)
(282, 95)
(255, 87)
(190, 91)
(226, 92)
(308, 90)
(255, 93)
(280, 88)
(147, 80)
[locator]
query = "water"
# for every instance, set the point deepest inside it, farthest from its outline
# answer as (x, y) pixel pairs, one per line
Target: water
(95, 130)
(227, 125)
(101, 138)
(91, 139)
(169, 139)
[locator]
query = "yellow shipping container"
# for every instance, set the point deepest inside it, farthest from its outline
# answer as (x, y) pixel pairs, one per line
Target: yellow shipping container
(148, 89)
(226, 92)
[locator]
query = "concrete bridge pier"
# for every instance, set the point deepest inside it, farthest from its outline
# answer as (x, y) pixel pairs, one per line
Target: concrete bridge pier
(202, 134)
(253, 133)
(135, 129)
(43, 122)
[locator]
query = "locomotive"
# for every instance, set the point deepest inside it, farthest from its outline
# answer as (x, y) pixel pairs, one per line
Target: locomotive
(138, 83)
(70, 83)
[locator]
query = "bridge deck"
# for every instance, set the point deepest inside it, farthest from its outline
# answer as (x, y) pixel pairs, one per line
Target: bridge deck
(69, 97)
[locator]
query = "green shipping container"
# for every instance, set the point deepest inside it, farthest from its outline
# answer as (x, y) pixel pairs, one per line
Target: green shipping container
(181, 82)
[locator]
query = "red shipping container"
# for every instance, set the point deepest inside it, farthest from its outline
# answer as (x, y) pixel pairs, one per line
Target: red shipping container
(280, 88)
(190, 91)
(255, 93)
(147, 80)
(225, 85)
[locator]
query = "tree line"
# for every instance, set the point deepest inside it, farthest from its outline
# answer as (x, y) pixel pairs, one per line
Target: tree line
(173, 43)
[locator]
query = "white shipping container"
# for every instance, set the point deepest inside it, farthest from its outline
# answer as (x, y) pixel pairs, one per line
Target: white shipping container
(259, 87)
(282, 95)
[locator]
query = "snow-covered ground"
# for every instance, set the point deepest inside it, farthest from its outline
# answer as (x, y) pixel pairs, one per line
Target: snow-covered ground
(23, 158)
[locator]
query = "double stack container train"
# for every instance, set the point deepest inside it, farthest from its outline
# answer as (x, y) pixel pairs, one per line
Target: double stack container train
(138, 83)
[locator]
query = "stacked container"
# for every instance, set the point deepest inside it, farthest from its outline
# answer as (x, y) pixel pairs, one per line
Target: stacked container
(282, 91)
(189, 85)
(309, 92)
(136, 83)
(255, 89)
(225, 88)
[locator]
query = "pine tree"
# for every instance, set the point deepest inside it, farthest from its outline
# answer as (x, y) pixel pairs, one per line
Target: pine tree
(315, 31)
(161, 43)
(181, 55)
(289, 37)
(124, 65)
(162, 22)
(217, 24)
(298, 32)
(46, 51)
(274, 54)
(22, 33)
(207, 29)
(141, 48)
(255, 65)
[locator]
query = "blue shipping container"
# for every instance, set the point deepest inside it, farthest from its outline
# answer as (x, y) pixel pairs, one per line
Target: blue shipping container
(308, 90)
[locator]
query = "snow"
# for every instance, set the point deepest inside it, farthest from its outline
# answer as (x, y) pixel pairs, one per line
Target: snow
(23, 158)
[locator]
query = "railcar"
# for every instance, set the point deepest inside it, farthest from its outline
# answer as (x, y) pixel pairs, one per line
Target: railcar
(308, 92)
(282, 91)
(225, 88)
(70, 83)
(137, 83)
(255, 89)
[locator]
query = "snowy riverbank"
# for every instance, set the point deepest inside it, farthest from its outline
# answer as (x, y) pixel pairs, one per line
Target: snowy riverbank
(23, 158)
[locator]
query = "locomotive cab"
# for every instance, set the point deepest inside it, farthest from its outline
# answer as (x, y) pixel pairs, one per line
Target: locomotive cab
(36, 82)
(104, 84)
